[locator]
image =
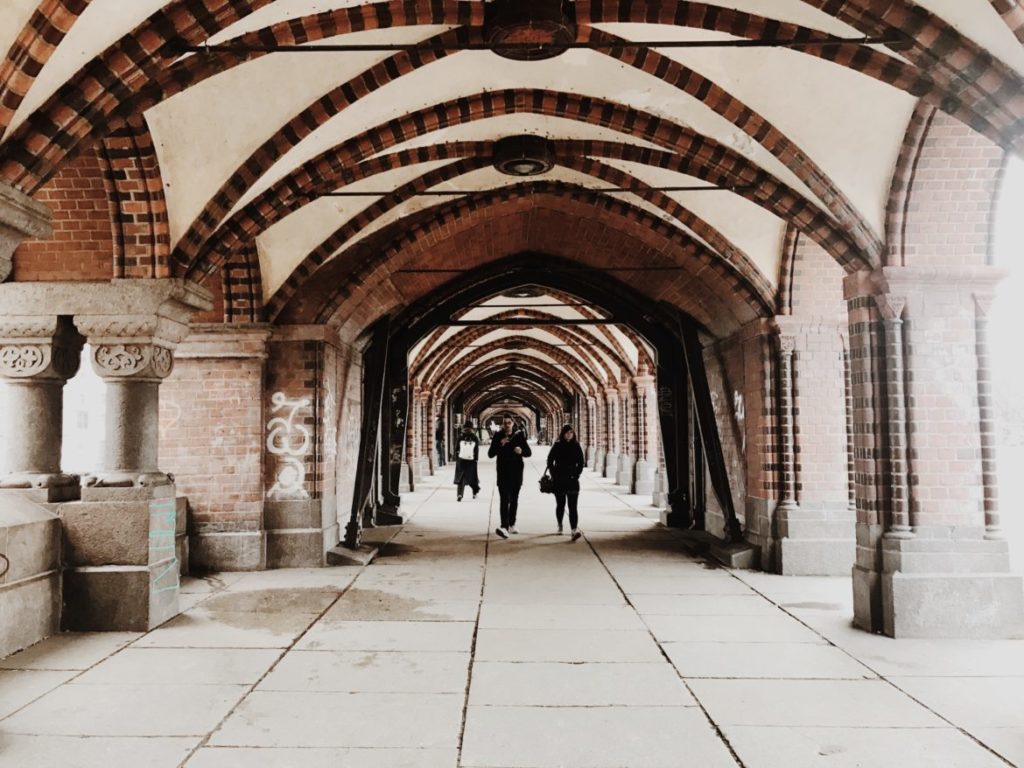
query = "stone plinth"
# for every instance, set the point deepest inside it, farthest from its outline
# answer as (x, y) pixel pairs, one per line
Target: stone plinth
(611, 465)
(30, 589)
(624, 474)
(299, 532)
(645, 481)
(120, 556)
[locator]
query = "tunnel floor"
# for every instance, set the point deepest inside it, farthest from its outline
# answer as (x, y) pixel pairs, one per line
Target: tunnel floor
(457, 648)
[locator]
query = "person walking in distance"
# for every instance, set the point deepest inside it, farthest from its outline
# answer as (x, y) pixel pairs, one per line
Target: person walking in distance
(465, 464)
(510, 447)
(565, 464)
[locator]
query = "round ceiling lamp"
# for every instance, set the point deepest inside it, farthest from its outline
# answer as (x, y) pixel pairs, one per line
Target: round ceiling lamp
(530, 30)
(524, 156)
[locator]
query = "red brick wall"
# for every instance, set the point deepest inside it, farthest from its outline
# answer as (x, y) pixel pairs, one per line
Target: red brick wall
(212, 435)
(293, 390)
(950, 201)
(82, 247)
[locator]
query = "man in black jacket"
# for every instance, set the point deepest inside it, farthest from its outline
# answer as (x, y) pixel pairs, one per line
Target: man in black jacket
(510, 447)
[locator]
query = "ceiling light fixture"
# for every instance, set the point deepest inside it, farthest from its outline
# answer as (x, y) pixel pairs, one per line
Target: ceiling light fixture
(524, 155)
(529, 30)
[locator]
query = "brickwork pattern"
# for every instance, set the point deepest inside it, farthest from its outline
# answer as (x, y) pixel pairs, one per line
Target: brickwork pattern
(212, 432)
(82, 245)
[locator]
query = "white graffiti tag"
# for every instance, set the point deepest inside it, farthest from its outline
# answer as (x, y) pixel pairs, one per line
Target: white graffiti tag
(290, 443)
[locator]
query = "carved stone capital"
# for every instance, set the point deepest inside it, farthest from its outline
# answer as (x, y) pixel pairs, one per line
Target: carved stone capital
(21, 217)
(132, 360)
(983, 303)
(891, 305)
(39, 348)
(787, 345)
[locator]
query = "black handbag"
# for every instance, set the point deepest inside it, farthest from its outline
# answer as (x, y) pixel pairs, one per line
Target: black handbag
(547, 483)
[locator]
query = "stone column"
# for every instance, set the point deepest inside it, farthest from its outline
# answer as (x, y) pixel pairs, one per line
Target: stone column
(624, 474)
(986, 418)
(613, 430)
(37, 357)
(647, 443)
(592, 432)
(415, 441)
(21, 218)
(600, 432)
(936, 570)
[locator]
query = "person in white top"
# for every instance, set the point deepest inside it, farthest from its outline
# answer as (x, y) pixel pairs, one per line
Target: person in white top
(465, 465)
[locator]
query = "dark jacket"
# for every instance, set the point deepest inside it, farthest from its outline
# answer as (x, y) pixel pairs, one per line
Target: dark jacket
(510, 466)
(465, 469)
(566, 463)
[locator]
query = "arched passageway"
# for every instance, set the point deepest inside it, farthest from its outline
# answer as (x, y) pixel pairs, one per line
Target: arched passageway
(764, 308)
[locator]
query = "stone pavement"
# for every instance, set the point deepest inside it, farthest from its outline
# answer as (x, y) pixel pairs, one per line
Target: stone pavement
(616, 650)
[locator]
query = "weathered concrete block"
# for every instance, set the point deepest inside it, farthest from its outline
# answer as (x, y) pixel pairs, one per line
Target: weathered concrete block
(300, 513)
(229, 551)
(953, 605)
(816, 557)
(611, 465)
(295, 548)
(105, 533)
(120, 598)
(624, 474)
(30, 589)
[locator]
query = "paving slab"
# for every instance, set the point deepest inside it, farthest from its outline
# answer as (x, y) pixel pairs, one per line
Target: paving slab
(564, 645)
(561, 685)
(69, 651)
(228, 629)
(858, 748)
(591, 737)
(19, 687)
(126, 710)
(1008, 742)
(173, 666)
(388, 636)
(970, 702)
(369, 672)
(770, 628)
(17, 751)
(302, 601)
(374, 605)
(316, 757)
(823, 703)
(764, 660)
(514, 616)
(369, 720)
(702, 605)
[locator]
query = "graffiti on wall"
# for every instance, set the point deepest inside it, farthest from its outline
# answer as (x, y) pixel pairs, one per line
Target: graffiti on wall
(289, 441)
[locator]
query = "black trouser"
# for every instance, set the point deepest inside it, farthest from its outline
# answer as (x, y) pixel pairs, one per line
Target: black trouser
(462, 486)
(574, 516)
(509, 505)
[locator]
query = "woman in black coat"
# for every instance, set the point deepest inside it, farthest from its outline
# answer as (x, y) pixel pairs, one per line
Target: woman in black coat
(565, 464)
(465, 465)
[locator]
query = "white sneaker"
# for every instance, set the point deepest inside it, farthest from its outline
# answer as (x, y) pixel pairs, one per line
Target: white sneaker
(501, 532)
(512, 529)
(576, 534)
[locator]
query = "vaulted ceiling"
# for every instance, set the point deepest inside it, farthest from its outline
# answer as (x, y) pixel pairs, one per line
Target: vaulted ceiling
(250, 139)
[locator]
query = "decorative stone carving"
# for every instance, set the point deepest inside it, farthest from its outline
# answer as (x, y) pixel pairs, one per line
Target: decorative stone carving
(120, 361)
(24, 360)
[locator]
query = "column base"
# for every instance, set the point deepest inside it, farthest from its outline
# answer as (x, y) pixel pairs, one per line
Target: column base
(599, 461)
(298, 535)
(942, 583)
(120, 598)
(644, 483)
(624, 474)
(228, 551)
(404, 479)
(814, 542)
(121, 557)
(611, 465)
(126, 479)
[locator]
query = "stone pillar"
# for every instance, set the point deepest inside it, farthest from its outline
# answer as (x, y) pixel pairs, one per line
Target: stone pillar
(612, 432)
(986, 418)
(592, 432)
(21, 218)
(415, 440)
(37, 357)
(624, 474)
(935, 572)
(647, 443)
(121, 562)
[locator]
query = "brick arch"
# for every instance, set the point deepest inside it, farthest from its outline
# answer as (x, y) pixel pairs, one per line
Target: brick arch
(454, 379)
(127, 69)
(1012, 12)
(448, 379)
(36, 42)
(139, 222)
(585, 228)
(954, 73)
(481, 403)
(943, 194)
(471, 382)
(447, 351)
(698, 156)
(534, 366)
